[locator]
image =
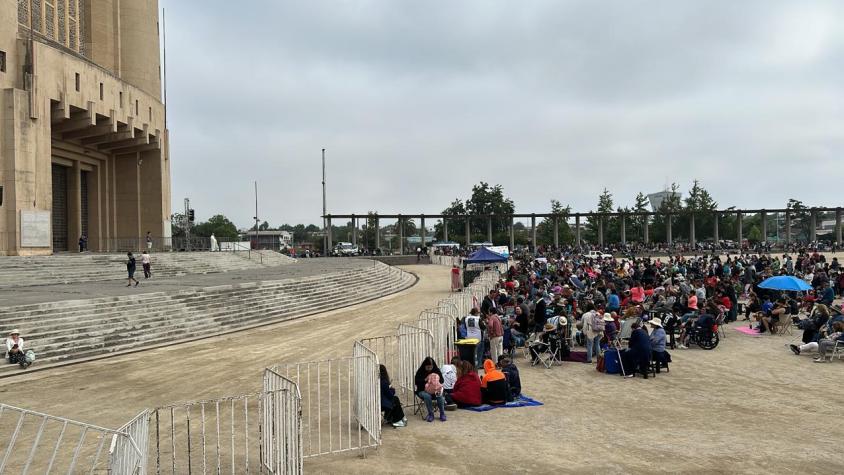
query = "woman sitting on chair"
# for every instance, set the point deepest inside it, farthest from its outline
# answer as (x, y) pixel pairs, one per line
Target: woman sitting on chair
(429, 366)
(390, 403)
(637, 357)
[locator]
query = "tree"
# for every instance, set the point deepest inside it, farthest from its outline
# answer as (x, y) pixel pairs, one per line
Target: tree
(800, 220)
(700, 203)
(218, 225)
(610, 224)
(486, 200)
(545, 229)
(640, 206)
(177, 221)
(455, 232)
(670, 204)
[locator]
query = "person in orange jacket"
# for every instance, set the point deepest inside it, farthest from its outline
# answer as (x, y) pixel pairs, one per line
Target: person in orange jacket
(494, 387)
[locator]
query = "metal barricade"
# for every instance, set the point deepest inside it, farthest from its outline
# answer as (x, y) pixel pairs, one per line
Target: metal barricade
(281, 441)
(130, 453)
(41, 443)
(367, 392)
(443, 331)
(414, 345)
(329, 421)
(216, 435)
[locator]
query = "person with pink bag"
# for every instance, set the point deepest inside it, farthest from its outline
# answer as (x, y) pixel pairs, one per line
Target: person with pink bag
(429, 376)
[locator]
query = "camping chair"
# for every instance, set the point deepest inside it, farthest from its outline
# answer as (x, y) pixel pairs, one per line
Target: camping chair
(551, 353)
(419, 406)
(626, 331)
(720, 322)
(530, 340)
(784, 325)
(837, 350)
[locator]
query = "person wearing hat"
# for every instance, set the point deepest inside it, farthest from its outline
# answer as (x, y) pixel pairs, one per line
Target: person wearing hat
(14, 348)
(610, 329)
(658, 343)
(542, 342)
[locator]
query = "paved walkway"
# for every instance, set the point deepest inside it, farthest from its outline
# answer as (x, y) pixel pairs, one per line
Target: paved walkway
(117, 287)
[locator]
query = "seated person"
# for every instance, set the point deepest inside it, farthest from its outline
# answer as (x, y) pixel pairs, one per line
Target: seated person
(753, 306)
(519, 328)
(637, 356)
(390, 403)
(428, 367)
(610, 330)
(813, 324)
(467, 388)
(449, 372)
(15, 350)
(494, 387)
(824, 345)
(657, 338)
(542, 343)
(512, 373)
(776, 317)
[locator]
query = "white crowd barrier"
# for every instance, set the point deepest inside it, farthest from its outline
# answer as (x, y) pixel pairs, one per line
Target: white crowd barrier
(414, 344)
(281, 448)
(42, 443)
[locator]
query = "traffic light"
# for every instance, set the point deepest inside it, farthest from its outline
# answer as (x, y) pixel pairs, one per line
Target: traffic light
(190, 216)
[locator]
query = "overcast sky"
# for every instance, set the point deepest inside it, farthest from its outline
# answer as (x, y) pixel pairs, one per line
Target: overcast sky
(417, 101)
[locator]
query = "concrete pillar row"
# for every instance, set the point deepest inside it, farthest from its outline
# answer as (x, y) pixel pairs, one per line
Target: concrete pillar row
(668, 234)
(645, 229)
(400, 224)
(445, 229)
(422, 230)
(692, 238)
(533, 231)
(623, 230)
(739, 228)
(838, 231)
(556, 232)
(377, 233)
(354, 231)
(601, 231)
(468, 231)
(764, 226)
(577, 230)
(512, 235)
(717, 218)
(787, 227)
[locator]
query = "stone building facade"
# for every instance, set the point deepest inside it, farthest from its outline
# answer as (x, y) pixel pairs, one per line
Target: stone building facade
(83, 139)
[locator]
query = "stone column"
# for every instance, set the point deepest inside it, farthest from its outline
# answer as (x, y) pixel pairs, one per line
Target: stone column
(813, 232)
(739, 229)
(692, 239)
(668, 235)
(512, 235)
(74, 206)
(489, 229)
(601, 231)
(468, 231)
(577, 230)
(788, 227)
(400, 224)
(445, 229)
(354, 230)
(533, 231)
(328, 233)
(556, 232)
(715, 225)
(377, 233)
(128, 205)
(95, 209)
(623, 230)
(764, 226)
(838, 227)
(422, 230)
(645, 228)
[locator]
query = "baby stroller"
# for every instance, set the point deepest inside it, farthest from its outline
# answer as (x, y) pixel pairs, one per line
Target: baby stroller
(704, 332)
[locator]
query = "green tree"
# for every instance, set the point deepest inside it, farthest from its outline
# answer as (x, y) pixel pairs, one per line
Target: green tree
(486, 200)
(610, 224)
(699, 202)
(670, 204)
(218, 225)
(176, 225)
(456, 229)
(801, 221)
(640, 206)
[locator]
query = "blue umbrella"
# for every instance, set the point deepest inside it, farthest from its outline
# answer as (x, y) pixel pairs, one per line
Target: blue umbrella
(785, 282)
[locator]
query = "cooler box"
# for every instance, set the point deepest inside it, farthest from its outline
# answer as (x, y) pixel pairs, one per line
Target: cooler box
(466, 348)
(611, 362)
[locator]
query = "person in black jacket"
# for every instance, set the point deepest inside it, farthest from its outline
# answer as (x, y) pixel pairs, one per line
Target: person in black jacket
(130, 269)
(637, 356)
(427, 367)
(390, 403)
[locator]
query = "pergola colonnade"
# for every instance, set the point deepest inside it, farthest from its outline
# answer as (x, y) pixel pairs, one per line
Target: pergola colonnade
(600, 217)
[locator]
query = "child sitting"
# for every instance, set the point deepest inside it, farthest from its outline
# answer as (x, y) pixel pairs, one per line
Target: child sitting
(433, 386)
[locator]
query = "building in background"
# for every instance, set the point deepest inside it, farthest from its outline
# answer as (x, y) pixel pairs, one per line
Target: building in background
(657, 198)
(83, 140)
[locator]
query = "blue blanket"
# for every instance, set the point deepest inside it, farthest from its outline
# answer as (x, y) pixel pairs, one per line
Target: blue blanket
(522, 401)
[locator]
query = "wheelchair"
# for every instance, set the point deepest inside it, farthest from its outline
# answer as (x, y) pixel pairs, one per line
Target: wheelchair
(705, 336)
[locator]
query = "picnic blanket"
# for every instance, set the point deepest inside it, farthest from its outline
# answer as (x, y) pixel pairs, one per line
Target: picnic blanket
(747, 331)
(522, 401)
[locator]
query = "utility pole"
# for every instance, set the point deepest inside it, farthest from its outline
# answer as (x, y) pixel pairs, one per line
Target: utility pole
(324, 212)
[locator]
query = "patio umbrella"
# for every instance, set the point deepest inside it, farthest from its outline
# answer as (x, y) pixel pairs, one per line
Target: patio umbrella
(785, 282)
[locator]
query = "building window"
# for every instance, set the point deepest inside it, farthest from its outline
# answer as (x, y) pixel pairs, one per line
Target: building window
(59, 20)
(102, 92)
(2, 61)
(77, 82)
(136, 107)
(121, 99)
(150, 114)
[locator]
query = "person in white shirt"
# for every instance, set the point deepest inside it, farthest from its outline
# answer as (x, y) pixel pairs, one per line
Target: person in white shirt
(14, 348)
(449, 378)
(474, 329)
(146, 263)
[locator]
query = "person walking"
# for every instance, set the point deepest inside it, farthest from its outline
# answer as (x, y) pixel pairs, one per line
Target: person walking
(149, 241)
(131, 265)
(145, 263)
(83, 241)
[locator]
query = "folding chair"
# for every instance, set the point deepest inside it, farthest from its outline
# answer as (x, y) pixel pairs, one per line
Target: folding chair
(837, 350)
(531, 339)
(419, 406)
(551, 353)
(784, 325)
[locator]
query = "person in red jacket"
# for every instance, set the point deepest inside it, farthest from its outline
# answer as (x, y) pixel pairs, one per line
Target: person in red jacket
(467, 389)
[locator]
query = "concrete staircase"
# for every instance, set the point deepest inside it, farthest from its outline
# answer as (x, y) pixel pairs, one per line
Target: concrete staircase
(18, 271)
(67, 330)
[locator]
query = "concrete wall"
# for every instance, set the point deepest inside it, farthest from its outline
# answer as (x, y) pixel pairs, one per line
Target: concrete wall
(139, 47)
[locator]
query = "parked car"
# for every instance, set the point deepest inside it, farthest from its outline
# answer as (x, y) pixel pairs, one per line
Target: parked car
(345, 249)
(598, 255)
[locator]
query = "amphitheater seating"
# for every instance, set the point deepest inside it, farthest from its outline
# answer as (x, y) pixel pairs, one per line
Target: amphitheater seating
(19, 271)
(116, 324)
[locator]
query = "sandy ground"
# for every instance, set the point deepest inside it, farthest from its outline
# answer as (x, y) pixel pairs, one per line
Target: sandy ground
(749, 406)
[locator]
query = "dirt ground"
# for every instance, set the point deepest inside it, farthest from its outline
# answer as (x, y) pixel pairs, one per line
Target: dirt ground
(749, 406)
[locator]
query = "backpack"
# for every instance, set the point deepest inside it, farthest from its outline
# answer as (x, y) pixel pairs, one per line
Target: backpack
(598, 323)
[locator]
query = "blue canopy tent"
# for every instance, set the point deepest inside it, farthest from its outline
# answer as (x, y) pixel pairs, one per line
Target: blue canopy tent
(484, 256)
